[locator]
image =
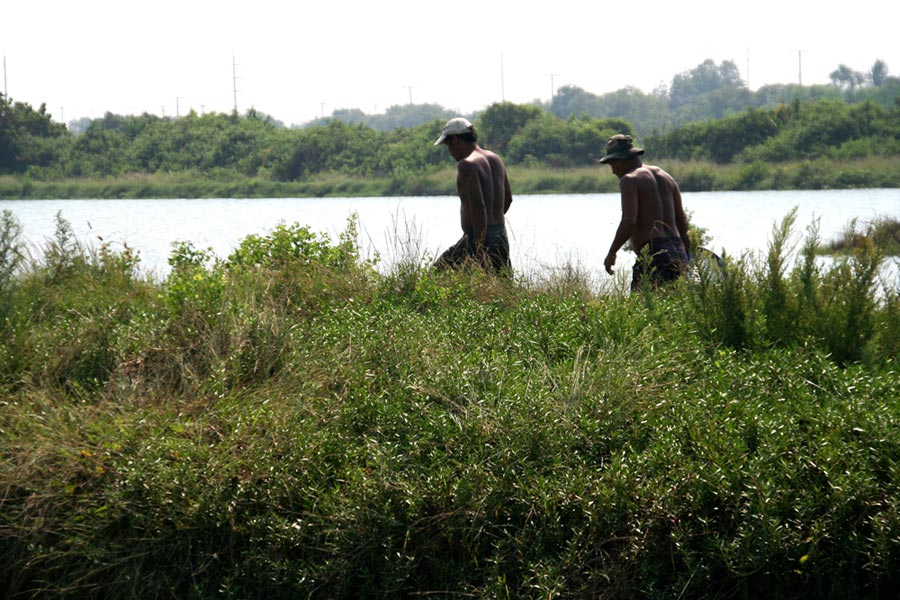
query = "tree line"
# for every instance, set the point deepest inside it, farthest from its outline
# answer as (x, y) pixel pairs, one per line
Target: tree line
(845, 120)
(711, 91)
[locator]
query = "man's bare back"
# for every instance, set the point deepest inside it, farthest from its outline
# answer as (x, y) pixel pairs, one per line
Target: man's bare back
(674, 218)
(642, 206)
(483, 188)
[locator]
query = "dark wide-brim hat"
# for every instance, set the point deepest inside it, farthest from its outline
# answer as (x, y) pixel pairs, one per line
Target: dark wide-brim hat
(620, 146)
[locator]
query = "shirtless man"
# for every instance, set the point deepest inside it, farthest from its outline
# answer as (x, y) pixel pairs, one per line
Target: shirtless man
(653, 217)
(485, 196)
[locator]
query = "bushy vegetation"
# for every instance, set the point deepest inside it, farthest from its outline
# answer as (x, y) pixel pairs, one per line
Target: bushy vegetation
(826, 129)
(710, 91)
(836, 136)
(883, 231)
(289, 422)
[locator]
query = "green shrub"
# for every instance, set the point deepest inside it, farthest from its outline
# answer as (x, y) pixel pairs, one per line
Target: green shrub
(11, 250)
(289, 423)
(697, 178)
(752, 176)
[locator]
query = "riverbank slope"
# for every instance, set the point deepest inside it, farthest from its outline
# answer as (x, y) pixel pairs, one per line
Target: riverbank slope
(288, 423)
(692, 176)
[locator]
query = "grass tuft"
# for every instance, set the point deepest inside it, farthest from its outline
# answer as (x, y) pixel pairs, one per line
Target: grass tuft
(288, 422)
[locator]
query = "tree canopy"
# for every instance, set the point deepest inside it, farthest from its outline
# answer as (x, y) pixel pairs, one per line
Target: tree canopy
(707, 114)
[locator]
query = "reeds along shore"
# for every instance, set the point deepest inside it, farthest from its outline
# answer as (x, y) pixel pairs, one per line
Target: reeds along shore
(288, 422)
(693, 176)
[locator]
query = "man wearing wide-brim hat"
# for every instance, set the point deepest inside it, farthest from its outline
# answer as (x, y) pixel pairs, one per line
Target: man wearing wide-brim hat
(653, 217)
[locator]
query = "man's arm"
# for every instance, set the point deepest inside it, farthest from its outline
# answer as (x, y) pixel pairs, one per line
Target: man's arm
(626, 225)
(507, 200)
(681, 219)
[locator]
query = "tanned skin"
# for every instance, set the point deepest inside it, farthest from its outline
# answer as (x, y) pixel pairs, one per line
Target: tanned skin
(651, 207)
(483, 188)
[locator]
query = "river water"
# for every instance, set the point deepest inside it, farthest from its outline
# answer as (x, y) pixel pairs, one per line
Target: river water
(546, 232)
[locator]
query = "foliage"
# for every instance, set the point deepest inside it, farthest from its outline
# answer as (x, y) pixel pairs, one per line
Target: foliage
(821, 129)
(575, 142)
(834, 307)
(62, 314)
(707, 114)
(883, 232)
(406, 116)
(845, 77)
(704, 79)
(711, 91)
(28, 137)
(11, 248)
(720, 140)
(649, 112)
(499, 123)
(869, 172)
(285, 423)
(831, 129)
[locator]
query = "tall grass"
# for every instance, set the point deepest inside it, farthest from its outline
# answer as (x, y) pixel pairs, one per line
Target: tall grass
(884, 232)
(287, 422)
(693, 176)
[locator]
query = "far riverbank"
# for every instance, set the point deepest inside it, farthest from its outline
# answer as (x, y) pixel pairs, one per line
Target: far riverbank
(692, 176)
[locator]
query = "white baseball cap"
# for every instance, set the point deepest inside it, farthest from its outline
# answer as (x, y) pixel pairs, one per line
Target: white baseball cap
(454, 126)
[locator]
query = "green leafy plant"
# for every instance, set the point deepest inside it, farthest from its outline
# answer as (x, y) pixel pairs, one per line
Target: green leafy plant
(289, 422)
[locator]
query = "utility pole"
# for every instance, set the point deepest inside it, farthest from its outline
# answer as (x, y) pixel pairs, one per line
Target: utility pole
(234, 81)
(502, 88)
(748, 68)
(552, 89)
(409, 87)
(5, 93)
(177, 106)
(799, 65)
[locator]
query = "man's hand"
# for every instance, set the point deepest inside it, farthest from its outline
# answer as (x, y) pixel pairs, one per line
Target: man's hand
(609, 262)
(484, 260)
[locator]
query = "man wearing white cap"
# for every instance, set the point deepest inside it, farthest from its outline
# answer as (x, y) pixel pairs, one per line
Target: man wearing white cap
(485, 196)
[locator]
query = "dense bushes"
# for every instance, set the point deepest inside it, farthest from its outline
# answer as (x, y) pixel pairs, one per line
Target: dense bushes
(824, 129)
(286, 422)
(224, 148)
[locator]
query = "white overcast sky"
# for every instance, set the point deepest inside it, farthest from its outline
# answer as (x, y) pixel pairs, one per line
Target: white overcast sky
(298, 60)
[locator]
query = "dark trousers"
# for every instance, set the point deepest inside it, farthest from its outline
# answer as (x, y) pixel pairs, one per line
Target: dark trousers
(496, 244)
(661, 260)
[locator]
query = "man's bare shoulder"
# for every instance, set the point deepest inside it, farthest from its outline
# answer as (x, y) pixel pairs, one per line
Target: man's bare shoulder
(487, 153)
(637, 177)
(660, 172)
(467, 166)
(477, 161)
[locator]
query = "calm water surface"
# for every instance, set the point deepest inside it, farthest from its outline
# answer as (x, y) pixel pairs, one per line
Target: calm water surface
(546, 231)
